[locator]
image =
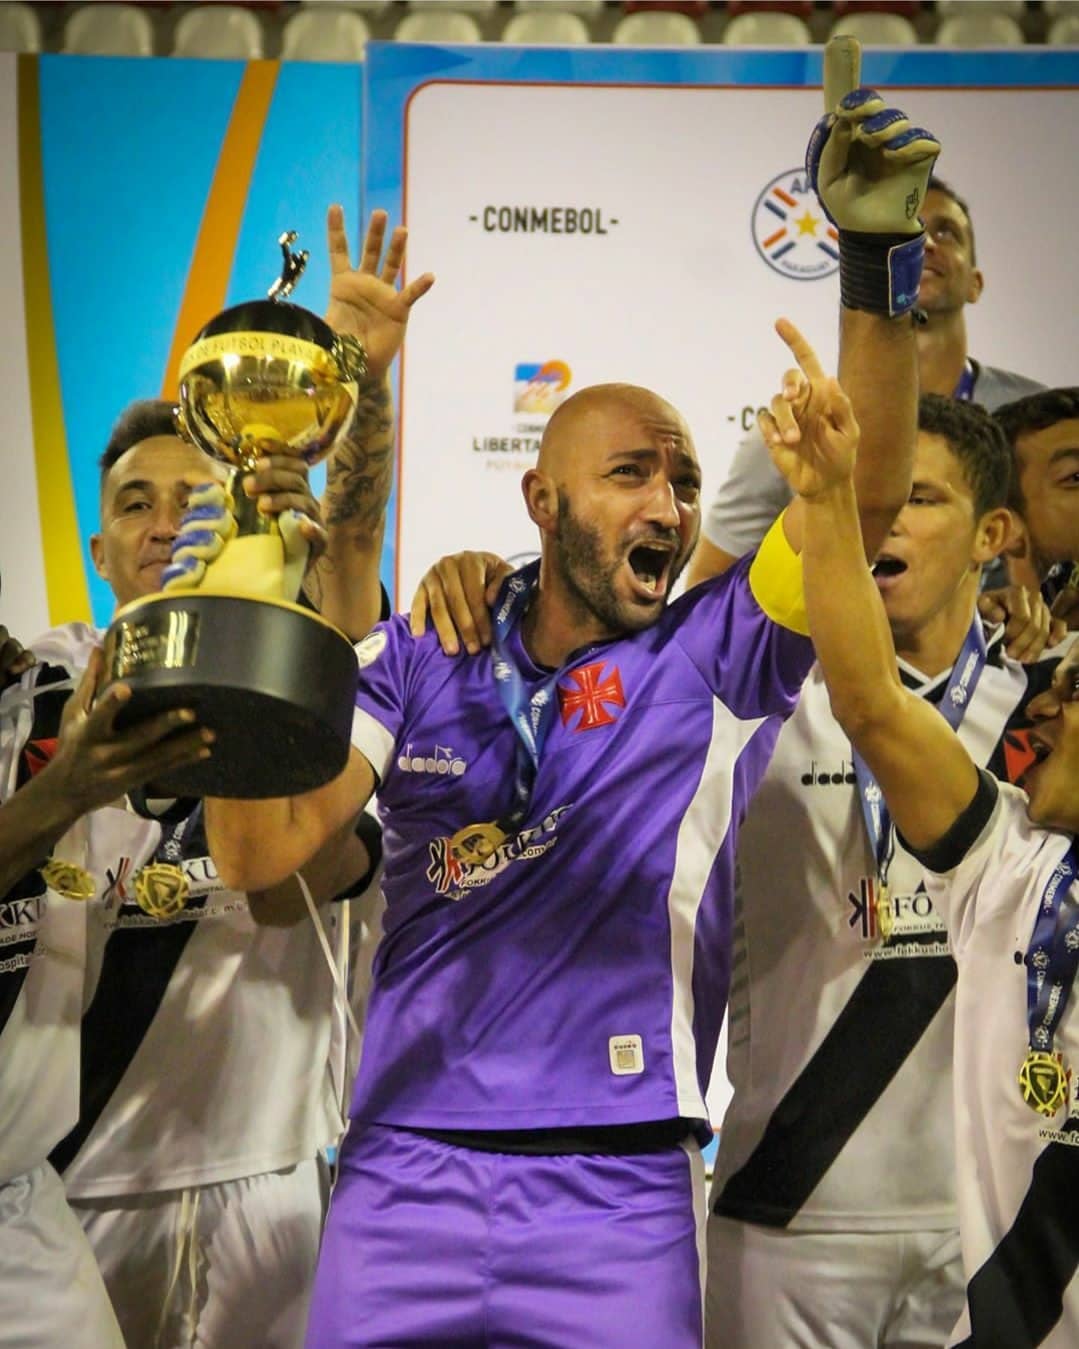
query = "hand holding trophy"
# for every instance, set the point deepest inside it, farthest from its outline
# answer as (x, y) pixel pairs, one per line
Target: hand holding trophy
(262, 380)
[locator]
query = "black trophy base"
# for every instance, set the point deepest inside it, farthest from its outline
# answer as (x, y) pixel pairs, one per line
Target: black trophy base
(274, 682)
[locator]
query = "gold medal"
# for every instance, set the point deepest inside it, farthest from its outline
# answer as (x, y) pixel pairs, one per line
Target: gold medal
(474, 844)
(68, 880)
(885, 912)
(161, 890)
(1043, 1081)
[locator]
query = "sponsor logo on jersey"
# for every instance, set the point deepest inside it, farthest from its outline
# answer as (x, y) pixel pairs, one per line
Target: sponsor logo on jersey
(537, 389)
(792, 234)
(911, 913)
(592, 694)
(442, 763)
(455, 879)
(16, 914)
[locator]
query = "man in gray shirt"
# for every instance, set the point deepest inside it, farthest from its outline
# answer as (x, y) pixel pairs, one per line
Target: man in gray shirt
(754, 493)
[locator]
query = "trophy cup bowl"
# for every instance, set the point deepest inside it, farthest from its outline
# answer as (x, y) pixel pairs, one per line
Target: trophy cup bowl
(273, 680)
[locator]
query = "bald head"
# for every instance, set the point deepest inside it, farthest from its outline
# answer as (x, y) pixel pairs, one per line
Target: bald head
(582, 428)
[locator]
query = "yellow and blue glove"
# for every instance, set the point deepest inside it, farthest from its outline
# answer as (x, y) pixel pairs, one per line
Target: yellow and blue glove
(870, 168)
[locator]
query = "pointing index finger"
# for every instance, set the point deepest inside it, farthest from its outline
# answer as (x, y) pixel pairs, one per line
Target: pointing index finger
(803, 353)
(842, 69)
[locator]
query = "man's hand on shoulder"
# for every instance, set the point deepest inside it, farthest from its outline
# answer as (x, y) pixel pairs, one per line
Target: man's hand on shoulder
(456, 595)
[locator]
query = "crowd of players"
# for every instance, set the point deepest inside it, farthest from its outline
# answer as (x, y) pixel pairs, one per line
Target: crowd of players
(791, 796)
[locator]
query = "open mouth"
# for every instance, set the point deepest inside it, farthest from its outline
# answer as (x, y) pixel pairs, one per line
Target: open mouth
(887, 568)
(651, 565)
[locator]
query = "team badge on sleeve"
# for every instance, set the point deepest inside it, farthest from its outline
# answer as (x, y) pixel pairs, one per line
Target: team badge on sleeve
(369, 650)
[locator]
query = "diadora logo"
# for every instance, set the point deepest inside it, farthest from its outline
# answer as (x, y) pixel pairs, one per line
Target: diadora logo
(454, 879)
(592, 695)
(792, 233)
(833, 777)
(443, 763)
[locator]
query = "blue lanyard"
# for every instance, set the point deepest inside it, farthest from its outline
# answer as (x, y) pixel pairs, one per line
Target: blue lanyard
(962, 682)
(531, 714)
(1053, 956)
(964, 390)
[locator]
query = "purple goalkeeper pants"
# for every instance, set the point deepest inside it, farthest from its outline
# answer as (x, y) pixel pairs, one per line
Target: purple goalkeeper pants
(442, 1247)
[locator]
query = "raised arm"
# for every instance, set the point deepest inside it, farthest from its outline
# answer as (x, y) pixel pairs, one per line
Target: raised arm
(870, 168)
(364, 303)
(926, 774)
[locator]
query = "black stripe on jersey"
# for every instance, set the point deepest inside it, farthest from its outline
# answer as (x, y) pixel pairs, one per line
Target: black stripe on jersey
(21, 906)
(135, 972)
(886, 1016)
(1017, 1296)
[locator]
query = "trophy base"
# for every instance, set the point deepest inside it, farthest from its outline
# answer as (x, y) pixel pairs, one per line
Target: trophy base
(274, 682)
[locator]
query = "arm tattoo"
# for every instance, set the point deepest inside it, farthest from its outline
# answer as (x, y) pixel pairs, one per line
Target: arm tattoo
(360, 470)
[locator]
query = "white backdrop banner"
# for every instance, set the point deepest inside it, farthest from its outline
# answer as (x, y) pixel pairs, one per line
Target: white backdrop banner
(615, 225)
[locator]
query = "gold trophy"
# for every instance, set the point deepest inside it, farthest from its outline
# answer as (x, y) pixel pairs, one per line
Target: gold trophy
(272, 679)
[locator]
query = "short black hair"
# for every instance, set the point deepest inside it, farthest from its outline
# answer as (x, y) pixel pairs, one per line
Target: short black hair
(936, 184)
(976, 441)
(1036, 412)
(139, 421)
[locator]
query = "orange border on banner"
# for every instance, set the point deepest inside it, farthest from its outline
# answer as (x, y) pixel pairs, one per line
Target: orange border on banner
(215, 247)
(65, 577)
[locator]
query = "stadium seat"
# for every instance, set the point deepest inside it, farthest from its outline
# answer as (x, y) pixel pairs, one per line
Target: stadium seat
(546, 27)
(654, 28)
(979, 30)
(480, 7)
(801, 9)
(448, 25)
(370, 8)
(223, 32)
(1015, 9)
(1055, 8)
(20, 29)
(766, 29)
(588, 9)
(109, 30)
(876, 29)
(910, 9)
(324, 35)
(1064, 31)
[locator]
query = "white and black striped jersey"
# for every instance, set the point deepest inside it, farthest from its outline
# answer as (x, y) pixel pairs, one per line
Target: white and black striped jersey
(42, 950)
(206, 1038)
(1017, 1171)
(839, 1041)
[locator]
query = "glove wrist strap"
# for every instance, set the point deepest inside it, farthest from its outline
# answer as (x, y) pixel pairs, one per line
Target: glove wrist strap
(880, 273)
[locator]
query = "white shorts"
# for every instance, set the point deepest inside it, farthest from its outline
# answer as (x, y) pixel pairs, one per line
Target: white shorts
(803, 1290)
(216, 1266)
(51, 1292)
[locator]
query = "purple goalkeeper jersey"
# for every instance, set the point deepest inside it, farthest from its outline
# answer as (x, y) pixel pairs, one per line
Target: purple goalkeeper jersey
(579, 976)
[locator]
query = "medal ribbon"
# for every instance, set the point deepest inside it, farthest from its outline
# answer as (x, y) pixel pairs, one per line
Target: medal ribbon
(1053, 956)
(531, 715)
(962, 682)
(964, 390)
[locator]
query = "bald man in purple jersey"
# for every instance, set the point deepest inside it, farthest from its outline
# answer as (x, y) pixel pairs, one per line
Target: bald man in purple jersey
(560, 814)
